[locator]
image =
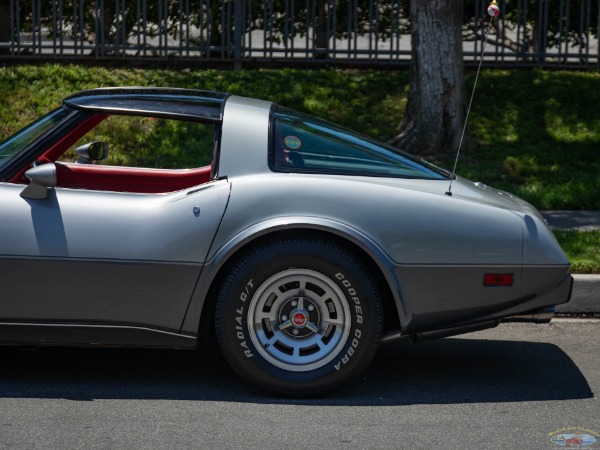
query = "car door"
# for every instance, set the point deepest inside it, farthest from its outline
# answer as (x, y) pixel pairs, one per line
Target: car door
(85, 256)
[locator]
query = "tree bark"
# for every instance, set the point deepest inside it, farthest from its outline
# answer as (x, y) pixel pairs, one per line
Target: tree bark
(435, 112)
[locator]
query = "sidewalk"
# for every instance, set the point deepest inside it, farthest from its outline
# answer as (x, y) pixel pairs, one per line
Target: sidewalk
(573, 220)
(586, 289)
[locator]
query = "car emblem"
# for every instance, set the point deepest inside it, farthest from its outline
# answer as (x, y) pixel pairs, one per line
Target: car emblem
(299, 319)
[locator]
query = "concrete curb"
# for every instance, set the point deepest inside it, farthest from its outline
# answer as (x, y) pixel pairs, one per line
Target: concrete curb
(585, 298)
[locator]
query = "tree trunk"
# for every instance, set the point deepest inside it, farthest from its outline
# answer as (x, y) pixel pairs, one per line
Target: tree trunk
(435, 112)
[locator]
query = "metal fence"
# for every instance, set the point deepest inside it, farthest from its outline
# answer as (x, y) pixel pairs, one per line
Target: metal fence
(541, 33)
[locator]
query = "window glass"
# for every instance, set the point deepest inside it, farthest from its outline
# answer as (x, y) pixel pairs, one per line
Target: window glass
(304, 143)
(137, 141)
(21, 140)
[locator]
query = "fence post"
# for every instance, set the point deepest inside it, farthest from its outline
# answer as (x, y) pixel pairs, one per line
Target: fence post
(5, 27)
(238, 23)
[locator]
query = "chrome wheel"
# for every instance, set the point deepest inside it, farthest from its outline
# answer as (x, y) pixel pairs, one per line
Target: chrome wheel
(299, 320)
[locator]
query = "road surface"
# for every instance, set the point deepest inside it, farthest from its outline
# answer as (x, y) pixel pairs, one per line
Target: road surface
(513, 387)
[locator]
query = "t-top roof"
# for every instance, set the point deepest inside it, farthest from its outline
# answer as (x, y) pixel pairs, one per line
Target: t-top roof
(188, 104)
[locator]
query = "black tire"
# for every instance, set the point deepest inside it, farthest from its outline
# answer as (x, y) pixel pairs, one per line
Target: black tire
(316, 317)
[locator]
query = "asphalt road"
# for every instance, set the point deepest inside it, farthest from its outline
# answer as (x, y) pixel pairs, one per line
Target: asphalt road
(512, 387)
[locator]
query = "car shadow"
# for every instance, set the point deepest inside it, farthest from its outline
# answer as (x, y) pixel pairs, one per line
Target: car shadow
(445, 371)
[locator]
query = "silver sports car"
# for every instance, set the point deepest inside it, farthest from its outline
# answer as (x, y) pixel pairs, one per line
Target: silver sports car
(299, 244)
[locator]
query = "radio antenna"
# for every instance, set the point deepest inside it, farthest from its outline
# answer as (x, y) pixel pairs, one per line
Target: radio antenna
(494, 11)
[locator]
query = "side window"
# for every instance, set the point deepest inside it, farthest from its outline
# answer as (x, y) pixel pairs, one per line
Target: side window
(306, 144)
(150, 142)
(146, 155)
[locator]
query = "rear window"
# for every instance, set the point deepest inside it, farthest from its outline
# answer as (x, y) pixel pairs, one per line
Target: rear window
(303, 143)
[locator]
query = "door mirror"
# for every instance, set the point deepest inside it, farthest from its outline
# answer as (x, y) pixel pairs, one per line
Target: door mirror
(94, 151)
(41, 179)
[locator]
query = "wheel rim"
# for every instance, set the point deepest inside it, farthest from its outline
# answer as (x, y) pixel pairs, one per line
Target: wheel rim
(299, 320)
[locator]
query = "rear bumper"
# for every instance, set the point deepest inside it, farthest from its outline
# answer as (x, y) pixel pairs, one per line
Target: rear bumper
(541, 313)
(545, 314)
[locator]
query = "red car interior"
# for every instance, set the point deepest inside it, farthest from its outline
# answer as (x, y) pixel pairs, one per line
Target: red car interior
(128, 179)
(113, 178)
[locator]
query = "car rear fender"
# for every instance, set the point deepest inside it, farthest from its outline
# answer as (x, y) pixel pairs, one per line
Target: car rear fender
(216, 266)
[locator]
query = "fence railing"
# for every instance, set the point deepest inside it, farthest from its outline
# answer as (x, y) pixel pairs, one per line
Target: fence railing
(543, 33)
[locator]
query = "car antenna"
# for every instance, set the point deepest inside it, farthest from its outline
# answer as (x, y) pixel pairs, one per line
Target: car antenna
(494, 11)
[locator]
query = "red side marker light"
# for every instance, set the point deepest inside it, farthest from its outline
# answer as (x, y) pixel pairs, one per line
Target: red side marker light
(498, 279)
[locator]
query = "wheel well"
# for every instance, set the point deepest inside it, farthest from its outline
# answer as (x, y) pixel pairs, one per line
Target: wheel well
(390, 312)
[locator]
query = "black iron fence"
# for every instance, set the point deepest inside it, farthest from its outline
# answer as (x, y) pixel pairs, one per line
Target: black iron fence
(542, 33)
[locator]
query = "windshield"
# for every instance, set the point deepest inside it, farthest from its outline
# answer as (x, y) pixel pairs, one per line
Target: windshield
(304, 143)
(19, 141)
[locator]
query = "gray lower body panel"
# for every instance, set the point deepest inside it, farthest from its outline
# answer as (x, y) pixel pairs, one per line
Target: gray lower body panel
(131, 293)
(436, 297)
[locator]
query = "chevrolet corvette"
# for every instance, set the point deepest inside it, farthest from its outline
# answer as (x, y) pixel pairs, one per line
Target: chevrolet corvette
(299, 244)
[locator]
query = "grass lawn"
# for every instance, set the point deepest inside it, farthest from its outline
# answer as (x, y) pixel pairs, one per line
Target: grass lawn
(582, 248)
(539, 136)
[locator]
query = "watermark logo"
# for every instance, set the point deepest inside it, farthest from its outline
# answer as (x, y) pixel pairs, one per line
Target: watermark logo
(574, 437)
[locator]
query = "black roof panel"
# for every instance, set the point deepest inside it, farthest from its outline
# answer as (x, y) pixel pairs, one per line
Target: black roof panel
(188, 104)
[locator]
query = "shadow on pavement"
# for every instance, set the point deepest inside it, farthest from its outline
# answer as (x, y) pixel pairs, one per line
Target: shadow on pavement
(437, 372)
